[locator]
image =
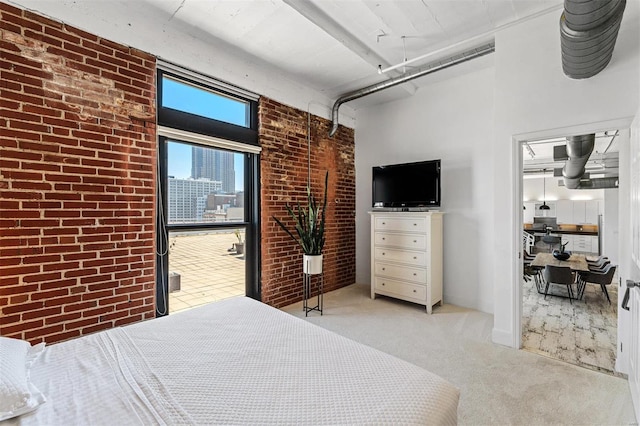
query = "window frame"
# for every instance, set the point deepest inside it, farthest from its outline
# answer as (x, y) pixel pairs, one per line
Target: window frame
(202, 125)
(189, 128)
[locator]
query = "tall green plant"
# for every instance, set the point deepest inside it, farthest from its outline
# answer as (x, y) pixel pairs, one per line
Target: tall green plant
(309, 222)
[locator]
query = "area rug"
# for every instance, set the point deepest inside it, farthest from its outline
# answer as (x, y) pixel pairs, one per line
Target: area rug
(583, 333)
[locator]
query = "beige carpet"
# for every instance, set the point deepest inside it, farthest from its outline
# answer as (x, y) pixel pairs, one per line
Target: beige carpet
(498, 385)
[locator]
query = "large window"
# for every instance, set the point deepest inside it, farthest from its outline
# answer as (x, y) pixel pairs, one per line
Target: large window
(208, 204)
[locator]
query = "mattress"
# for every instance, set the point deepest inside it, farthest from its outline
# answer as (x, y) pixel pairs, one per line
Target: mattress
(236, 361)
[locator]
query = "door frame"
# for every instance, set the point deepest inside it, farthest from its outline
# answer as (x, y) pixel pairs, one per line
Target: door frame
(517, 214)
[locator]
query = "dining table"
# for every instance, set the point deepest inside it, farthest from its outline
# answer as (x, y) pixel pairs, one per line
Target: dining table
(576, 262)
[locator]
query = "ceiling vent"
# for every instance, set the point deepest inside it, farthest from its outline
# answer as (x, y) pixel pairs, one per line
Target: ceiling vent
(588, 33)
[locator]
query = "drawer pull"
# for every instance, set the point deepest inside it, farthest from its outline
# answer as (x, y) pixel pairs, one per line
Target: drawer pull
(382, 283)
(414, 290)
(383, 253)
(384, 223)
(415, 224)
(415, 241)
(384, 269)
(415, 257)
(414, 274)
(383, 238)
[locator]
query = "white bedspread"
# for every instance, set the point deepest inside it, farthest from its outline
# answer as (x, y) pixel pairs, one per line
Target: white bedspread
(233, 362)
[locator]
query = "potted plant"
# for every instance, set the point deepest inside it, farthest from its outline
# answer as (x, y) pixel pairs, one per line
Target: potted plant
(240, 244)
(309, 224)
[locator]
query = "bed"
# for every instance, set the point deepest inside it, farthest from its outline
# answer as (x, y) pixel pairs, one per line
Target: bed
(237, 361)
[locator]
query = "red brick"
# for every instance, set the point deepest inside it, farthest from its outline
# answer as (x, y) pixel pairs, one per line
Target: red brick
(56, 135)
(22, 307)
(43, 332)
(41, 313)
(9, 329)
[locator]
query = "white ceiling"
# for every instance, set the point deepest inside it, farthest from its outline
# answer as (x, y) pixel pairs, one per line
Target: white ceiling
(332, 46)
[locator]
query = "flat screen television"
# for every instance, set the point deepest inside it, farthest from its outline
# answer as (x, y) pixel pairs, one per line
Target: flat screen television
(407, 185)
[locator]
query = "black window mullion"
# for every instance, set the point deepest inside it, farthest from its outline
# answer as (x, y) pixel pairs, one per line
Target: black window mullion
(162, 234)
(206, 126)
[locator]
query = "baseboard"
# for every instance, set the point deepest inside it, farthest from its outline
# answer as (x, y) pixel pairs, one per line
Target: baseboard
(485, 306)
(502, 337)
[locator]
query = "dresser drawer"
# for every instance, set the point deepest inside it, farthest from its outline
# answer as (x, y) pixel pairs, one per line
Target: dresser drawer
(408, 241)
(412, 291)
(402, 224)
(414, 258)
(402, 273)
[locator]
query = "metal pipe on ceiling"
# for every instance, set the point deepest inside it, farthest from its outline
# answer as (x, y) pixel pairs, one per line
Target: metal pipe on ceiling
(446, 63)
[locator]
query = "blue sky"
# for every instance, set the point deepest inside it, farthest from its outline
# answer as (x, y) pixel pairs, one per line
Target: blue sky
(195, 100)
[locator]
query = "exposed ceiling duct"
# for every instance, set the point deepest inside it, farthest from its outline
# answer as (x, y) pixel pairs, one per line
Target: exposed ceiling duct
(599, 183)
(588, 33)
(610, 182)
(579, 148)
(446, 63)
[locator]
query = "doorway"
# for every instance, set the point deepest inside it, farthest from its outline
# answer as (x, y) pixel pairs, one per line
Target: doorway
(557, 216)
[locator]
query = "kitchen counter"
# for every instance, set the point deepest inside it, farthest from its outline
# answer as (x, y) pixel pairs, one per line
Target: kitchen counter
(565, 229)
(539, 233)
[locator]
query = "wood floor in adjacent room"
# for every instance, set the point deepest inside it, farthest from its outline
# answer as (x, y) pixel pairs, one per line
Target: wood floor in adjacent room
(498, 385)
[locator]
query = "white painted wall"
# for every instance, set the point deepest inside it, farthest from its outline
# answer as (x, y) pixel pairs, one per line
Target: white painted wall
(532, 95)
(610, 224)
(451, 120)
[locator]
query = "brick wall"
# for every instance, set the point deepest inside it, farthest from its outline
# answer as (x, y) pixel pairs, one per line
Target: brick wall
(77, 180)
(283, 169)
(77, 184)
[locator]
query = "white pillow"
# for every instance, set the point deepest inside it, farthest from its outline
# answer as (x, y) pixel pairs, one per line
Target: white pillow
(17, 394)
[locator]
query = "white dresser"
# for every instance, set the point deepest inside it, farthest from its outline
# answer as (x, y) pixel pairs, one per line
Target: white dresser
(406, 256)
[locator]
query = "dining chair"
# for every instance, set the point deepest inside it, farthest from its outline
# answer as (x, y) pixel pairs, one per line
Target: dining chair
(560, 275)
(602, 278)
(536, 271)
(597, 261)
(599, 267)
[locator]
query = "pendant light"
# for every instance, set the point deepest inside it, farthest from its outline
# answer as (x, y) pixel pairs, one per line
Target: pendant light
(544, 205)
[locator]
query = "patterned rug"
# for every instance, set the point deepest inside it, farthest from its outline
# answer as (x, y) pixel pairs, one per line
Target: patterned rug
(583, 333)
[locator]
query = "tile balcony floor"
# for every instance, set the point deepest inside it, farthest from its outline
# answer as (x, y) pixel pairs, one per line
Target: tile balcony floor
(208, 271)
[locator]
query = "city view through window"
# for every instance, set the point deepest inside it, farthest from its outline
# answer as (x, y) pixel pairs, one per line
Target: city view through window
(205, 185)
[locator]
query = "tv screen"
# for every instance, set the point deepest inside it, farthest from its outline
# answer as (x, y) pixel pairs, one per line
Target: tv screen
(407, 185)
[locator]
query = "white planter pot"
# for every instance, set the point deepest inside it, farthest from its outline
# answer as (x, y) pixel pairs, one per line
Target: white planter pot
(312, 264)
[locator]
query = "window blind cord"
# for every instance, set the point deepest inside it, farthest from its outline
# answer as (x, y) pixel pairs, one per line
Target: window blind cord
(162, 248)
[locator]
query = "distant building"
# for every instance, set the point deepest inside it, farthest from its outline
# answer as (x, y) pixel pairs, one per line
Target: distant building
(187, 198)
(214, 164)
(221, 201)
